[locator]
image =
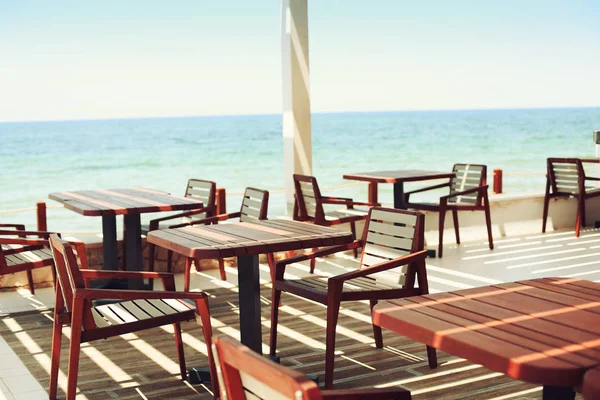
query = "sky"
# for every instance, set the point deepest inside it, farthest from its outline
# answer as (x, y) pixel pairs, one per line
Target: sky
(90, 59)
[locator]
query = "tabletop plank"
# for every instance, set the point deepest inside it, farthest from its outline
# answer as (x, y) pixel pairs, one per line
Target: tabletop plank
(405, 175)
(541, 331)
(106, 202)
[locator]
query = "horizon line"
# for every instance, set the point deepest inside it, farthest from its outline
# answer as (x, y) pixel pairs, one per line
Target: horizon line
(312, 113)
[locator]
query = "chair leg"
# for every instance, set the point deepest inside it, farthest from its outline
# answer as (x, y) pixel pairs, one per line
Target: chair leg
(55, 357)
(432, 357)
(275, 301)
(583, 213)
(313, 261)
(170, 261)
(488, 220)
(30, 281)
(204, 311)
(186, 274)
(180, 354)
(353, 229)
(579, 215)
(333, 310)
(151, 252)
(222, 269)
(376, 329)
(74, 349)
(455, 218)
(441, 231)
(545, 212)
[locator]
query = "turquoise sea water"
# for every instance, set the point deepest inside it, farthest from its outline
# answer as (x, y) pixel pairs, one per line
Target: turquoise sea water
(37, 158)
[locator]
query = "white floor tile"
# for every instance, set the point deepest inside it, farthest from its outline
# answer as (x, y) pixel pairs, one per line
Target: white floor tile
(22, 384)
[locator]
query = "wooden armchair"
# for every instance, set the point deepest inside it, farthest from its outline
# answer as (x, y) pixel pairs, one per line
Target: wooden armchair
(254, 207)
(392, 239)
(566, 177)
(198, 189)
(243, 374)
(135, 311)
(468, 191)
(308, 207)
(20, 252)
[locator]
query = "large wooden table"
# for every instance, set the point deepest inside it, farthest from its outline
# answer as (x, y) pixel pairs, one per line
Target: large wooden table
(108, 203)
(398, 178)
(246, 240)
(543, 331)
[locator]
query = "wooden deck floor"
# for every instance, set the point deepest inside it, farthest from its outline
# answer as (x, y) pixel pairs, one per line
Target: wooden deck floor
(144, 365)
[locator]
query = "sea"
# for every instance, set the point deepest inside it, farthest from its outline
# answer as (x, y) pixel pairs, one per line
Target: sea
(37, 158)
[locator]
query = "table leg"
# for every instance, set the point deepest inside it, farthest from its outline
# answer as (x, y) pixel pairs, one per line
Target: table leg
(133, 248)
(399, 196)
(558, 393)
(109, 242)
(249, 298)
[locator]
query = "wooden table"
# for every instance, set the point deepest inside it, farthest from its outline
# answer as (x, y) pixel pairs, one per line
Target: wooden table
(246, 240)
(397, 178)
(543, 331)
(108, 203)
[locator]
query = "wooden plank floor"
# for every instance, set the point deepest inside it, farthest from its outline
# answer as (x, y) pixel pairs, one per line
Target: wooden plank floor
(144, 365)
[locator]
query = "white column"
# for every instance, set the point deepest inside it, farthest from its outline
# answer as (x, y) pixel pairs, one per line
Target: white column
(297, 149)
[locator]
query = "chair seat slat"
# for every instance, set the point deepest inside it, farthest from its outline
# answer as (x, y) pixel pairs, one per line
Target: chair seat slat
(135, 310)
(148, 308)
(162, 306)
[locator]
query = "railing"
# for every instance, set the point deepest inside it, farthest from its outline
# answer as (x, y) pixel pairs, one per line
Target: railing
(40, 210)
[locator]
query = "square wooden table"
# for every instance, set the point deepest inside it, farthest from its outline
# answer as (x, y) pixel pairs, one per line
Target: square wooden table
(108, 203)
(543, 331)
(246, 240)
(398, 178)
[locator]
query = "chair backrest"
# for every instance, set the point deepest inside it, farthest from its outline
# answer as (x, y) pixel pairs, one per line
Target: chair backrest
(68, 276)
(467, 176)
(243, 374)
(308, 198)
(204, 191)
(565, 175)
(254, 205)
(391, 233)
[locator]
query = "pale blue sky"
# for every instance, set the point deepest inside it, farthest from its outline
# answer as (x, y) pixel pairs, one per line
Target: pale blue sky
(135, 58)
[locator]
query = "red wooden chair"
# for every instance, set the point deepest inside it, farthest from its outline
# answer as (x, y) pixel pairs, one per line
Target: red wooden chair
(135, 311)
(468, 191)
(20, 252)
(309, 202)
(392, 239)
(198, 189)
(566, 177)
(254, 207)
(243, 374)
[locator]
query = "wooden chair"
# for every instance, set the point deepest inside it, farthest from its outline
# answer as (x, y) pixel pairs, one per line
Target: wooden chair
(20, 252)
(136, 310)
(566, 177)
(308, 207)
(591, 384)
(254, 207)
(243, 374)
(391, 239)
(198, 189)
(468, 191)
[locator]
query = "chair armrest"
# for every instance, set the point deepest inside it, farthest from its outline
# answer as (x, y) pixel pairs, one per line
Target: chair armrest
(11, 232)
(113, 294)
(318, 253)
(19, 227)
(155, 222)
(382, 266)
(438, 186)
(167, 278)
(210, 220)
(25, 242)
(592, 178)
(366, 394)
(327, 198)
(469, 191)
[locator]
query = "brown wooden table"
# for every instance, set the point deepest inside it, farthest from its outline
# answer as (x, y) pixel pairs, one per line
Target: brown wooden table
(397, 178)
(246, 240)
(108, 203)
(543, 331)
